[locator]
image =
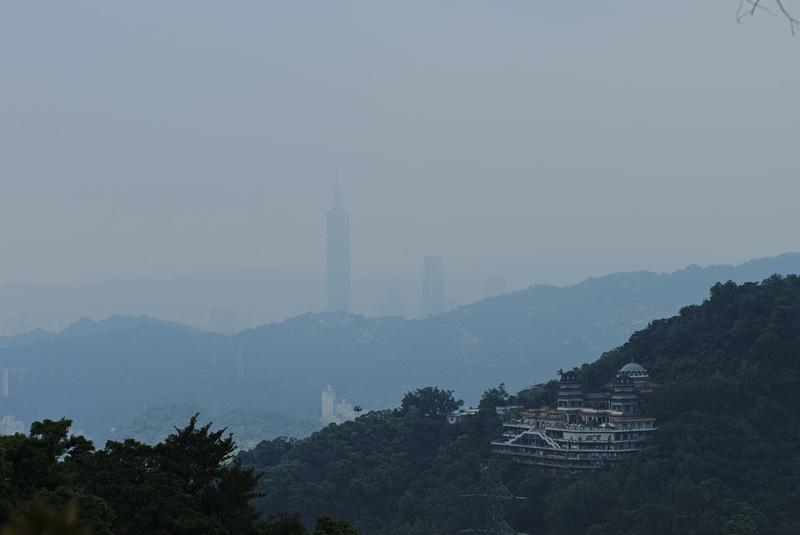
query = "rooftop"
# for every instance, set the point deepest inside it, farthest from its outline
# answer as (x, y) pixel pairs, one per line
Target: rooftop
(632, 368)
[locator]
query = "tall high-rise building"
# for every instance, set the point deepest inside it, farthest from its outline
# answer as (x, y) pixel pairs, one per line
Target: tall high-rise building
(334, 410)
(10, 426)
(338, 257)
(328, 415)
(4, 383)
(432, 286)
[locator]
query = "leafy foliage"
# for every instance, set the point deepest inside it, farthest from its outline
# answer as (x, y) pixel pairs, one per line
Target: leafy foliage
(187, 484)
(725, 460)
(494, 397)
(386, 472)
(40, 519)
(430, 402)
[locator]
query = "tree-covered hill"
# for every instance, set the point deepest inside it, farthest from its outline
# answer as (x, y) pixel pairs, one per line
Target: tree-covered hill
(52, 483)
(725, 459)
(112, 374)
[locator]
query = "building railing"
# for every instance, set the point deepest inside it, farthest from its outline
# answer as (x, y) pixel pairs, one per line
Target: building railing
(582, 427)
(614, 447)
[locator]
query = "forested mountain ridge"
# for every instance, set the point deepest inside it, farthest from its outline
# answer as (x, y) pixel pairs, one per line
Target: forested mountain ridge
(106, 374)
(725, 459)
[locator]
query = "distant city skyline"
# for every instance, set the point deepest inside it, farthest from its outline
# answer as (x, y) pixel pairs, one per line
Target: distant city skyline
(483, 147)
(230, 302)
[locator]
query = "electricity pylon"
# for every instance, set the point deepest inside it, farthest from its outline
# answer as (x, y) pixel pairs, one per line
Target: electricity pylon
(496, 494)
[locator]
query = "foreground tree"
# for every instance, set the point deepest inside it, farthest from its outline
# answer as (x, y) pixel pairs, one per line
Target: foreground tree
(328, 526)
(187, 484)
(40, 519)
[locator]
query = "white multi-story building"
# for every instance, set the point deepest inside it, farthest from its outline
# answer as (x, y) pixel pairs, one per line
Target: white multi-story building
(328, 415)
(585, 431)
(10, 426)
(335, 411)
(345, 411)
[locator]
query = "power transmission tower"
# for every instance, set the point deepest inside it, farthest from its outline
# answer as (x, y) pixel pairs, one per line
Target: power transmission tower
(496, 494)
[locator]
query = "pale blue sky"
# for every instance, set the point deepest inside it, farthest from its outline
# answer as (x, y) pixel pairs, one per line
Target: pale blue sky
(553, 139)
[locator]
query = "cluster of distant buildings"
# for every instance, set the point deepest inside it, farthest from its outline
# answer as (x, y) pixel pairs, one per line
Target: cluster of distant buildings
(8, 424)
(334, 410)
(433, 300)
(11, 426)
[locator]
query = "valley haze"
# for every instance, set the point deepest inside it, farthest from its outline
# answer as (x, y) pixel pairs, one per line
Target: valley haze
(356, 267)
(138, 367)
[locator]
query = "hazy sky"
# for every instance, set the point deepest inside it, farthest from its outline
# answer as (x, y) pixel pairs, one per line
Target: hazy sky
(558, 139)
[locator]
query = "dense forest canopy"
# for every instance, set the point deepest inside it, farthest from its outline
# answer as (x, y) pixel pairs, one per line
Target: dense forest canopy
(54, 483)
(725, 460)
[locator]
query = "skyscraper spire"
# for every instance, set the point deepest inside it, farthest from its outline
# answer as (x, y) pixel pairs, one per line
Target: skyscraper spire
(338, 255)
(337, 197)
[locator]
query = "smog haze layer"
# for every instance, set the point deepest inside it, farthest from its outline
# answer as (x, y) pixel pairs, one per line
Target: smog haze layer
(544, 142)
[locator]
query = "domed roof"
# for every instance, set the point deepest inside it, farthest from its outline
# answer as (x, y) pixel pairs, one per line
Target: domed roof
(633, 368)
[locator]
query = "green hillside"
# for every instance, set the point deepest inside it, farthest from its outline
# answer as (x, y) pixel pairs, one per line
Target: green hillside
(725, 460)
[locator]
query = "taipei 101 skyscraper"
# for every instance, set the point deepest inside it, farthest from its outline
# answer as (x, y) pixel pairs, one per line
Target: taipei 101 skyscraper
(338, 258)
